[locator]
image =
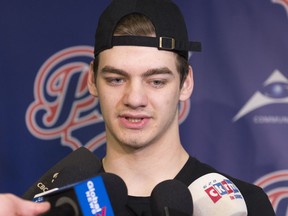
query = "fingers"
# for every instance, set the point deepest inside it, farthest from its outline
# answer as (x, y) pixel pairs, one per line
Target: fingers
(12, 205)
(34, 209)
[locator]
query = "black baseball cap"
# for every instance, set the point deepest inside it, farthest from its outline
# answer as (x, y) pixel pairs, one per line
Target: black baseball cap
(170, 27)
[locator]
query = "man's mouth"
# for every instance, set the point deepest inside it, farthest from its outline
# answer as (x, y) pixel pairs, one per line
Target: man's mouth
(134, 120)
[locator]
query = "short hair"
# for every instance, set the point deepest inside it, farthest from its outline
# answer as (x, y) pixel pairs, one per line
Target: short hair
(140, 25)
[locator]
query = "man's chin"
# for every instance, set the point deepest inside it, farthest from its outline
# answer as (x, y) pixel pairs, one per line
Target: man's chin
(134, 145)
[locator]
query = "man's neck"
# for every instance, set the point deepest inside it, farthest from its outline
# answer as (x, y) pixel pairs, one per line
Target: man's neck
(143, 169)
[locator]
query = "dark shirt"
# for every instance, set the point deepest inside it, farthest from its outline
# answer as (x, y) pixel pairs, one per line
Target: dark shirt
(255, 198)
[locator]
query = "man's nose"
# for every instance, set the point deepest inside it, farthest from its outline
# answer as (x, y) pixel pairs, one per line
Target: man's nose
(135, 95)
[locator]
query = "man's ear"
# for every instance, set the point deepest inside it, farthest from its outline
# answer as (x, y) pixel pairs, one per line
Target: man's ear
(91, 81)
(188, 85)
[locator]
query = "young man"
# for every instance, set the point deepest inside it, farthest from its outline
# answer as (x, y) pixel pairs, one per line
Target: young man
(139, 89)
(140, 74)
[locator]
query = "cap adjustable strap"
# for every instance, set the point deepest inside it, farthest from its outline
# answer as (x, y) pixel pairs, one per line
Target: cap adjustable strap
(164, 43)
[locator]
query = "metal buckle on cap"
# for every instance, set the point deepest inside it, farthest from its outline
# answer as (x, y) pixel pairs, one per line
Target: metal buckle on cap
(166, 43)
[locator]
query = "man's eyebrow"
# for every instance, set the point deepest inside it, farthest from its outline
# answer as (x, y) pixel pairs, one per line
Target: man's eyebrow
(110, 69)
(150, 72)
(156, 71)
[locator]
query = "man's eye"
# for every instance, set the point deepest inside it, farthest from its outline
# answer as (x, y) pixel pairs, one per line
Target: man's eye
(114, 80)
(158, 83)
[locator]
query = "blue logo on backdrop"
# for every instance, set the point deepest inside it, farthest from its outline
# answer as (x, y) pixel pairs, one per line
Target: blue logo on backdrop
(63, 108)
(274, 91)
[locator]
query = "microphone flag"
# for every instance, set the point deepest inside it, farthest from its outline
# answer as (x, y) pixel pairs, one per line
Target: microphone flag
(87, 198)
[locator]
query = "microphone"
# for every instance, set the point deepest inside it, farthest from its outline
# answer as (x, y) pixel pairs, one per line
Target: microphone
(214, 194)
(79, 165)
(171, 198)
(105, 194)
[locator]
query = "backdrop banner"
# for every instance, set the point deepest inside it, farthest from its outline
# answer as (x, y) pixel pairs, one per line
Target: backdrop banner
(236, 120)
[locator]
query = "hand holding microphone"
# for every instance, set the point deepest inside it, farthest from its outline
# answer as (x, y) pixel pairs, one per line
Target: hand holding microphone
(11, 205)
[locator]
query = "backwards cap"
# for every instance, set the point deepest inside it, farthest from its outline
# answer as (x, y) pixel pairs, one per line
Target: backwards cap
(170, 27)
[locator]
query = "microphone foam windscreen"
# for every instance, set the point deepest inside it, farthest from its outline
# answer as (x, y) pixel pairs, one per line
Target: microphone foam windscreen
(77, 166)
(172, 194)
(117, 192)
(214, 194)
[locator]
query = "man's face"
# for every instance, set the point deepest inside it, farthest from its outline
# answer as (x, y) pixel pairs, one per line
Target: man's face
(138, 90)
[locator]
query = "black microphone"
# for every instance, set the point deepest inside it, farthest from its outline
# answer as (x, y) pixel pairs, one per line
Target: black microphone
(77, 166)
(171, 198)
(105, 194)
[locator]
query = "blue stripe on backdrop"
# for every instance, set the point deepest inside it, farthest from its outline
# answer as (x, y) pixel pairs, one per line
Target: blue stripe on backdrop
(236, 120)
